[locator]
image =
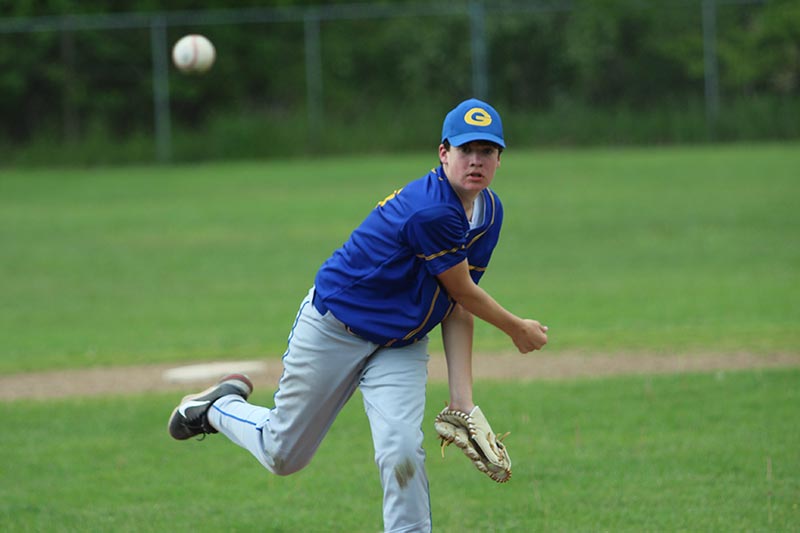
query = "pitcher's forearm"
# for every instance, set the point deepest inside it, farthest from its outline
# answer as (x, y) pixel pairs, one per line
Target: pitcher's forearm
(527, 334)
(457, 334)
(481, 304)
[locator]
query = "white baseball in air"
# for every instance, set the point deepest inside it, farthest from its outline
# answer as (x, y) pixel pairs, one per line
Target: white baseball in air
(193, 53)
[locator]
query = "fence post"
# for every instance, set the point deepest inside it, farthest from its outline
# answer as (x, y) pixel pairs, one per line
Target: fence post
(69, 116)
(477, 22)
(313, 77)
(710, 66)
(159, 51)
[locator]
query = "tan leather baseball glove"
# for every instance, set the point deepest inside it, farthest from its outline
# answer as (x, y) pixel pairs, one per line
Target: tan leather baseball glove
(472, 433)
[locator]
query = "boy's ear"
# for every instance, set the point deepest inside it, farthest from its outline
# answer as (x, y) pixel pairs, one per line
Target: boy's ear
(443, 153)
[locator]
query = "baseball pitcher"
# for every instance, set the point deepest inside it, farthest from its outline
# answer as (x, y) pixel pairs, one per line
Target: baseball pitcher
(414, 263)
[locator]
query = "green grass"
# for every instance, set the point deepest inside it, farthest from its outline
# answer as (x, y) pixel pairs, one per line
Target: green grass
(658, 249)
(715, 452)
(661, 249)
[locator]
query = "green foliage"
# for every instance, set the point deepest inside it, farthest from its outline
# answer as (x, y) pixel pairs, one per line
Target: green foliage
(63, 88)
(671, 453)
(284, 133)
(766, 57)
(616, 249)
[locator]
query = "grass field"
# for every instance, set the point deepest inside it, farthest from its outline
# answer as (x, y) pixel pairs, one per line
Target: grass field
(659, 250)
(672, 453)
(627, 249)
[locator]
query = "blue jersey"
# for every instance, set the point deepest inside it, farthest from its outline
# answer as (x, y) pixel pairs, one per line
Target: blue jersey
(382, 282)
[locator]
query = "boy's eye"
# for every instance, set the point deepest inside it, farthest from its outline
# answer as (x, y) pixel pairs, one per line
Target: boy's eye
(483, 150)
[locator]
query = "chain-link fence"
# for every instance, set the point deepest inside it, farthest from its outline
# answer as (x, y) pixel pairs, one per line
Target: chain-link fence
(311, 74)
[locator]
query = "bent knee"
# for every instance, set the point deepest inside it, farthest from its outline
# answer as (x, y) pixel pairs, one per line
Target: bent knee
(402, 448)
(285, 465)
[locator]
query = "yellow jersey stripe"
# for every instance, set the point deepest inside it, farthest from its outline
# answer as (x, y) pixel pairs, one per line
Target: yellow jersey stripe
(439, 254)
(430, 311)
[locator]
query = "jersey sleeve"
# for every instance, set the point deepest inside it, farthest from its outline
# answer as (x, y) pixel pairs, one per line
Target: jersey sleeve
(437, 236)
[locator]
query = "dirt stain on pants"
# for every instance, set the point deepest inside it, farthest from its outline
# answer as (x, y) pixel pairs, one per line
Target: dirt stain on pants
(404, 472)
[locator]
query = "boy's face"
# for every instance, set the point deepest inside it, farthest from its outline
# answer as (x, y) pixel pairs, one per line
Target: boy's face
(470, 168)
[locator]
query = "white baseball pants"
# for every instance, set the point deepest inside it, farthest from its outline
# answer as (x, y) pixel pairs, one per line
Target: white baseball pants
(323, 365)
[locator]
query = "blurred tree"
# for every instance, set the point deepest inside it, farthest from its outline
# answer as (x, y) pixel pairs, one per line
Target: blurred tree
(625, 51)
(760, 48)
(528, 61)
(63, 84)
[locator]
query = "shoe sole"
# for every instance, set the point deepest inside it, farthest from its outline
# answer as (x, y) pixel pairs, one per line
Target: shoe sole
(241, 378)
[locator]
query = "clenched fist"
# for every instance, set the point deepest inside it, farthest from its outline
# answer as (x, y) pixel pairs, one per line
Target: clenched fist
(530, 336)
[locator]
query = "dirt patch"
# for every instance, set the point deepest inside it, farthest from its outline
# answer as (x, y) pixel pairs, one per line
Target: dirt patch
(559, 366)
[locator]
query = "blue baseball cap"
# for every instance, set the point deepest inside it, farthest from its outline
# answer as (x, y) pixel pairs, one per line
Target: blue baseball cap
(473, 120)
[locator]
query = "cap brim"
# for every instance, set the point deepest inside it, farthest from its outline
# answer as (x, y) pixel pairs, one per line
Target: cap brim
(464, 138)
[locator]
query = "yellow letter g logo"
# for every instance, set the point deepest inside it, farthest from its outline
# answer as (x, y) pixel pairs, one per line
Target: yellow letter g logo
(478, 117)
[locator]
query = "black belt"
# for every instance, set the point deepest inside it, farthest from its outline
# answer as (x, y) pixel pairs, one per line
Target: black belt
(321, 308)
